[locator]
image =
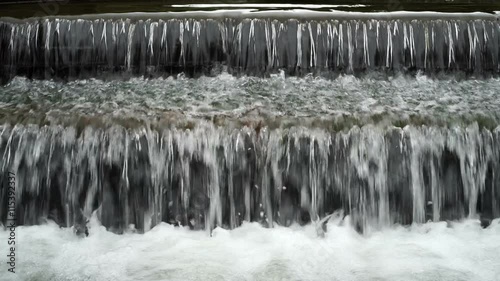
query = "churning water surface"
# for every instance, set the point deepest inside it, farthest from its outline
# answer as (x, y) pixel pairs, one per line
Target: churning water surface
(432, 251)
(374, 98)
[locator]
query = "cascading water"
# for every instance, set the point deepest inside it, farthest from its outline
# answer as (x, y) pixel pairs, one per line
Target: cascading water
(209, 176)
(76, 48)
(142, 122)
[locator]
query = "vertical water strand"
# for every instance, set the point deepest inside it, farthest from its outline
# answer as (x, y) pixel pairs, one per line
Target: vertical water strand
(413, 51)
(270, 155)
(320, 39)
(329, 45)
(434, 144)
(223, 30)
(377, 166)
(426, 47)
(158, 162)
(487, 61)
(12, 50)
(239, 45)
(115, 45)
(318, 171)
(18, 42)
(314, 176)
(495, 173)
(185, 142)
(358, 51)
(350, 47)
(299, 46)
(451, 45)
(274, 43)
(90, 149)
(417, 182)
(390, 51)
(275, 158)
(268, 42)
(476, 47)
(130, 43)
(340, 53)
(104, 41)
(167, 144)
(471, 46)
(125, 187)
(437, 193)
(151, 57)
(231, 149)
(313, 59)
(246, 183)
(68, 147)
(366, 50)
(251, 58)
(182, 46)
(377, 35)
(406, 45)
(207, 143)
(47, 28)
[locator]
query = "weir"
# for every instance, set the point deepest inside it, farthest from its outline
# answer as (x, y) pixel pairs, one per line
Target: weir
(135, 171)
(249, 44)
(209, 176)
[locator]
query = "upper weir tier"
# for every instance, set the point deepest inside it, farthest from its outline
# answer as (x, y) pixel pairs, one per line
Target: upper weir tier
(248, 43)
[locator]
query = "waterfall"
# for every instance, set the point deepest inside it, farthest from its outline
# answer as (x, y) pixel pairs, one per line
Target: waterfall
(211, 176)
(208, 152)
(81, 48)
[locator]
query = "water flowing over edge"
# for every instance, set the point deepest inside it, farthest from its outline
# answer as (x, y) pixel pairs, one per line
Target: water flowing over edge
(210, 176)
(80, 48)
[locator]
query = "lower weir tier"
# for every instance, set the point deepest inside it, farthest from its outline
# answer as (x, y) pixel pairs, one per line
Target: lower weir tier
(209, 176)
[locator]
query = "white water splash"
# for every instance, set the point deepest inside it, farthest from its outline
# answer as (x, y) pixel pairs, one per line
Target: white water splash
(433, 251)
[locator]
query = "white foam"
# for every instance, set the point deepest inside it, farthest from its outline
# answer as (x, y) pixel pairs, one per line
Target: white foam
(431, 251)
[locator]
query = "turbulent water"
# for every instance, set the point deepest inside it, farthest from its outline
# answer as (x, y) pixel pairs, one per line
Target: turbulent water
(434, 251)
(276, 101)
